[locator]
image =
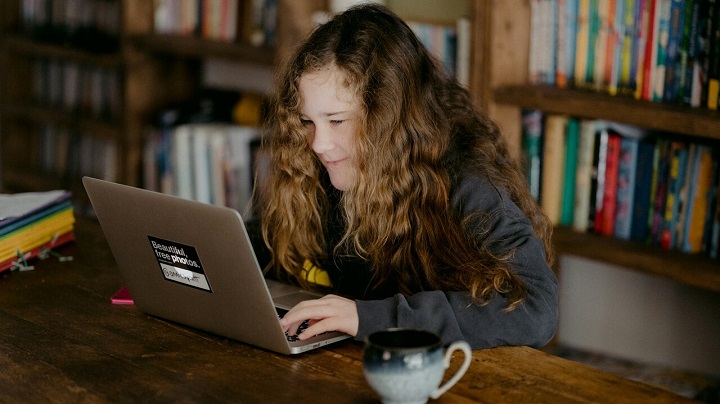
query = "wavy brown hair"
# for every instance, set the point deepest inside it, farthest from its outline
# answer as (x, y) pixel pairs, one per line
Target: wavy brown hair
(417, 129)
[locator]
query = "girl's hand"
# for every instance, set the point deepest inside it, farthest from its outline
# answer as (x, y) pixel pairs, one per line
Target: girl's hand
(329, 313)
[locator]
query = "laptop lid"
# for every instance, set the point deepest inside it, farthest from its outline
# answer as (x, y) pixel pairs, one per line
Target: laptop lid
(193, 263)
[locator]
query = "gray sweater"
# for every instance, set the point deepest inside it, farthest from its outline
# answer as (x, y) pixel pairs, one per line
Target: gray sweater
(452, 314)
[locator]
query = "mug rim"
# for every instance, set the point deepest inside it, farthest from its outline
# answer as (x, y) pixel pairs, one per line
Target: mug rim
(432, 345)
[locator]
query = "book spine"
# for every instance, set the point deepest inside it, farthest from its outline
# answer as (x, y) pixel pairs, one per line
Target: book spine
(600, 161)
(639, 228)
(650, 51)
(584, 175)
(678, 159)
(582, 43)
(553, 166)
(567, 213)
(713, 86)
(699, 199)
(532, 129)
(627, 174)
(673, 60)
(611, 183)
(661, 46)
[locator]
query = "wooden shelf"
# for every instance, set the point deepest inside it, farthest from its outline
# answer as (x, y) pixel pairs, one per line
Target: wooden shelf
(193, 47)
(593, 105)
(691, 269)
(26, 46)
(58, 116)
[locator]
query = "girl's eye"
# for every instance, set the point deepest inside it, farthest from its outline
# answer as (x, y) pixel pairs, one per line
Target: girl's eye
(306, 122)
(336, 121)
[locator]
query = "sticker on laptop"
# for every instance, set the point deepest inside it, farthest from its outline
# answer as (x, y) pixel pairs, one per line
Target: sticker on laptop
(179, 263)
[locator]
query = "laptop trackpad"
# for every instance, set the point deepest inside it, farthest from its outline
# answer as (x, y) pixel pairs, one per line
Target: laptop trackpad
(289, 300)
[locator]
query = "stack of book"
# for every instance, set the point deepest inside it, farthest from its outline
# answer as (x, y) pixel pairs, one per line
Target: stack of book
(33, 224)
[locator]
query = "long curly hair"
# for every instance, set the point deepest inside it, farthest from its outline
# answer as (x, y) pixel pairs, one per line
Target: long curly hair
(418, 128)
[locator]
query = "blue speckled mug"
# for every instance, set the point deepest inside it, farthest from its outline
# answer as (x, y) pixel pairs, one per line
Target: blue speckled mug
(407, 365)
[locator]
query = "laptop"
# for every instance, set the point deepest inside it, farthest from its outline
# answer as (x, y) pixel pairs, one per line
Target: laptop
(192, 263)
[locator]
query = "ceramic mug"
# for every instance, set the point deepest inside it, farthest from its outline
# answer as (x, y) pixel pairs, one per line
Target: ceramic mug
(407, 365)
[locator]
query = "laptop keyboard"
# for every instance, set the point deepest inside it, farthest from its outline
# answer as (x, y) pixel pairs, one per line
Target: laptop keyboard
(292, 338)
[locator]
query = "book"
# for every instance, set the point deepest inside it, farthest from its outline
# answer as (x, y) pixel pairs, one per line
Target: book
(673, 59)
(713, 70)
(710, 9)
(712, 226)
(618, 49)
(603, 43)
(643, 30)
(629, 47)
(658, 193)
(676, 177)
(642, 206)
(597, 179)
(605, 212)
(566, 36)
(650, 55)
(688, 51)
(699, 199)
(625, 197)
(584, 174)
(594, 33)
(553, 168)
(659, 62)
(582, 43)
(33, 223)
(532, 129)
(567, 207)
(684, 196)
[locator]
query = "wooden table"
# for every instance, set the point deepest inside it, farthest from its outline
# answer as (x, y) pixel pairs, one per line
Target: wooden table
(62, 341)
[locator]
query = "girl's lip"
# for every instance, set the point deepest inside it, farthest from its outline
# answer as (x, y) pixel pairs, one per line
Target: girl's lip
(334, 162)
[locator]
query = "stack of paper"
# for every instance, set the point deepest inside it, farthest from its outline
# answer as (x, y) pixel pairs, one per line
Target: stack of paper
(33, 224)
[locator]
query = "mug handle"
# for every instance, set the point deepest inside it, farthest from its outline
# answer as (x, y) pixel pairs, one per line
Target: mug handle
(455, 346)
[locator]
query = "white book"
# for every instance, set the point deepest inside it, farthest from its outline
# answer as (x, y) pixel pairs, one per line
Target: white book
(240, 170)
(182, 162)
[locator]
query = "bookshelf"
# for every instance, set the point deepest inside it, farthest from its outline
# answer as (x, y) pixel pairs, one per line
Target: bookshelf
(501, 63)
(151, 70)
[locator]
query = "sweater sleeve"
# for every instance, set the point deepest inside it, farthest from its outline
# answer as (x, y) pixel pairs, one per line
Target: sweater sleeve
(452, 314)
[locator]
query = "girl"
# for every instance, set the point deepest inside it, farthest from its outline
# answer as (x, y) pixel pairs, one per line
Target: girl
(388, 189)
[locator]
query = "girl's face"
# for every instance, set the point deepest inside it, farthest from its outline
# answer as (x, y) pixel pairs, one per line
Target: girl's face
(330, 112)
